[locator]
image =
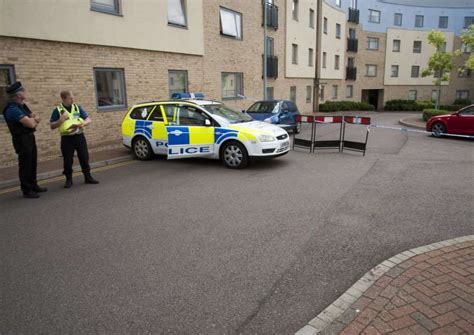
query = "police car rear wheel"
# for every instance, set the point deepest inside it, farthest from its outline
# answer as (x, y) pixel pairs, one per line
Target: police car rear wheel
(234, 155)
(142, 149)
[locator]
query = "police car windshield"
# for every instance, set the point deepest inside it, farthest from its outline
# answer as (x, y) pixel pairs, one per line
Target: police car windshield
(229, 114)
(263, 107)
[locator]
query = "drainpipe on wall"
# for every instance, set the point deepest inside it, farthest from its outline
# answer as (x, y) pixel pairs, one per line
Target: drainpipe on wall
(264, 49)
(317, 71)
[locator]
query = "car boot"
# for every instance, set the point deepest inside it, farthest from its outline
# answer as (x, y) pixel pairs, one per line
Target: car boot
(88, 179)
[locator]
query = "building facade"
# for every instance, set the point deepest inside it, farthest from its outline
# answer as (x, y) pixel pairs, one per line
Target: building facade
(113, 54)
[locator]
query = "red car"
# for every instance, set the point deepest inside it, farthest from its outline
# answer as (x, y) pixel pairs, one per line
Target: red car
(460, 122)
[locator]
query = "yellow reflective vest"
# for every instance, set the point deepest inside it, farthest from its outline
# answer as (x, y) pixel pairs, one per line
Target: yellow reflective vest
(74, 119)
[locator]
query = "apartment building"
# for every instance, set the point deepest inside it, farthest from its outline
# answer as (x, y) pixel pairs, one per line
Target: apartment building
(114, 53)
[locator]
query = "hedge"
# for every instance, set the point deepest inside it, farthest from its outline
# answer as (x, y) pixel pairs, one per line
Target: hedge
(429, 113)
(408, 105)
(463, 102)
(339, 106)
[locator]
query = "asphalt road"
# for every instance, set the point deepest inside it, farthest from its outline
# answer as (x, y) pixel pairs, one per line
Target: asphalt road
(191, 247)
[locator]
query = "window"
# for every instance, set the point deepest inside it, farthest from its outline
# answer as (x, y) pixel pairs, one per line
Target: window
(338, 3)
(350, 62)
(462, 94)
(311, 18)
(398, 19)
(270, 93)
(270, 46)
(396, 46)
(321, 93)
(176, 14)
(372, 43)
(354, 4)
(349, 91)
(184, 115)
(434, 95)
(231, 23)
(232, 85)
(415, 71)
(468, 20)
(294, 9)
(419, 21)
(443, 22)
(324, 59)
(336, 62)
(294, 53)
(352, 33)
(177, 81)
(325, 25)
(106, 6)
(7, 77)
(394, 70)
(465, 48)
(293, 93)
(110, 88)
(371, 70)
(464, 72)
(309, 93)
(374, 16)
(142, 113)
(468, 110)
(310, 57)
(338, 30)
(334, 91)
(417, 47)
(412, 95)
(156, 114)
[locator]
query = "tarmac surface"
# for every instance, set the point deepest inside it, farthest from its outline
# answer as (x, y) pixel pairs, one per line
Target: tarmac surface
(189, 246)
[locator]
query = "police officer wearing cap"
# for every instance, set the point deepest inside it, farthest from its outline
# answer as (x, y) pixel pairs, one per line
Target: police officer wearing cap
(22, 124)
(70, 119)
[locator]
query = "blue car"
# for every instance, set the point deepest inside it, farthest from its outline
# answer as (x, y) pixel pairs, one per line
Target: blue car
(281, 113)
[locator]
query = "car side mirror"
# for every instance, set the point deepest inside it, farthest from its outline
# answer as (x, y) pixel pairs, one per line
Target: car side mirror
(244, 111)
(207, 123)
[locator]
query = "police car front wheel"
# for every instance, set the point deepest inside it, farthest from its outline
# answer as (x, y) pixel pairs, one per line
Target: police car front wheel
(142, 149)
(234, 155)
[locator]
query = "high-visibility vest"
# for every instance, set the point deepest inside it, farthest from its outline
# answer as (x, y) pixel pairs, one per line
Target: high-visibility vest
(74, 119)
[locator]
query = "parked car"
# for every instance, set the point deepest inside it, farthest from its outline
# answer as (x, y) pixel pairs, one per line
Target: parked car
(460, 123)
(281, 113)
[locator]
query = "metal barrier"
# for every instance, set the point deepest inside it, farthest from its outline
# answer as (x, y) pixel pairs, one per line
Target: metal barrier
(328, 144)
(351, 145)
(300, 142)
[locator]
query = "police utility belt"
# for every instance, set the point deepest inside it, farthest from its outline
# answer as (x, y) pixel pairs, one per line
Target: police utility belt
(69, 127)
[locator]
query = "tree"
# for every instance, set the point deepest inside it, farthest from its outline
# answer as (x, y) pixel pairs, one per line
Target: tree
(440, 63)
(467, 39)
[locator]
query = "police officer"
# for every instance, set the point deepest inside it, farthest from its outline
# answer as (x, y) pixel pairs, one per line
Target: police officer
(22, 124)
(70, 119)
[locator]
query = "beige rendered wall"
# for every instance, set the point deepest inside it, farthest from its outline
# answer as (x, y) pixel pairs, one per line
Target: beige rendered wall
(300, 33)
(142, 25)
(332, 45)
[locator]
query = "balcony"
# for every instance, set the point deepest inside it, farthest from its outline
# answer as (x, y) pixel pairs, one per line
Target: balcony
(352, 44)
(272, 15)
(353, 15)
(351, 73)
(272, 67)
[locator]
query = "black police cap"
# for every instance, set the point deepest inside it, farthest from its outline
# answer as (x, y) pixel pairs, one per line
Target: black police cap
(15, 88)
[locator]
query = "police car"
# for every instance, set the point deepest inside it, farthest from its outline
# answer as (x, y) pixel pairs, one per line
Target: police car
(189, 126)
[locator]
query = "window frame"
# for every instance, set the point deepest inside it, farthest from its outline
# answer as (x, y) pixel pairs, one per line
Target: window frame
(221, 8)
(447, 22)
(310, 57)
(399, 45)
(422, 21)
(373, 39)
(417, 72)
(324, 62)
(371, 16)
(311, 18)
(338, 30)
(351, 89)
(122, 86)
(309, 93)
(185, 79)
(295, 9)
(392, 74)
(95, 7)
(421, 47)
(416, 95)
(236, 97)
(325, 25)
(294, 53)
(466, 18)
(178, 25)
(293, 89)
(462, 91)
(400, 15)
(337, 62)
(335, 92)
(367, 70)
(11, 77)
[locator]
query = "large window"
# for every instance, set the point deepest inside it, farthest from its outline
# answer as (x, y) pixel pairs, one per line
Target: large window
(443, 22)
(7, 77)
(417, 47)
(415, 71)
(177, 81)
(394, 71)
(372, 43)
(293, 93)
(374, 16)
(176, 13)
(336, 62)
(338, 30)
(110, 89)
(294, 53)
(334, 92)
(419, 21)
(232, 85)
(371, 70)
(349, 91)
(294, 9)
(310, 57)
(106, 6)
(309, 93)
(396, 46)
(231, 23)
(325, 59)
(398, 19)
(468, 20)
(462, 94)
(311, 18)
(412, 95)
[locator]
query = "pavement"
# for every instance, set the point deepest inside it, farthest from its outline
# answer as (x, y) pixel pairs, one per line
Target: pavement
(188, 246)
(413, 122)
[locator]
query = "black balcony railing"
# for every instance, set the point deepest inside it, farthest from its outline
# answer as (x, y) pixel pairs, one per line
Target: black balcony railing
(353, 15)
(351, 73)
(272, 15)
(352, 44)
(272, 67)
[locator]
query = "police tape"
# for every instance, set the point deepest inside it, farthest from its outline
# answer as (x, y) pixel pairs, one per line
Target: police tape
(409, 130)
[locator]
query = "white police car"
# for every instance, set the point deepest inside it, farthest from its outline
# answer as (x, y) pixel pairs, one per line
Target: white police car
(188, 126)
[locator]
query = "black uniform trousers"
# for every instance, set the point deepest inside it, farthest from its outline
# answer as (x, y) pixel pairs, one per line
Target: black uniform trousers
(69, 144)
(25, 147)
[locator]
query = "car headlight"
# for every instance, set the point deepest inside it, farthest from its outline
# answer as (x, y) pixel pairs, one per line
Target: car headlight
(266, 138)
(269, 120)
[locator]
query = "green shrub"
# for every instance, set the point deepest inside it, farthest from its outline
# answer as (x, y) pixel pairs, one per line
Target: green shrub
(451, 108)
(408, 105)
(463, 102)
(340, 106)
(429, 113)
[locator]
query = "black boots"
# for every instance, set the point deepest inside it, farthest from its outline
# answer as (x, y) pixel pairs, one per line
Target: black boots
(89, 180)
(31, 195)
(68, 183)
